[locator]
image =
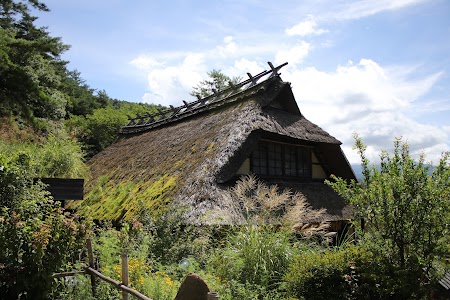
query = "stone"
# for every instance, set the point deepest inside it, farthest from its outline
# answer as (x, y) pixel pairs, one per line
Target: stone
(193, 287)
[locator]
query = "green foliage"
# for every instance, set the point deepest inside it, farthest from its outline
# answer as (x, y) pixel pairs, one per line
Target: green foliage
(145, 274)
(376, 275)
(30, 64)
(58, 156)
(254, 259)
(174, 240)
(36, 86)
(37, 237)
(82, 98)
(217, 82)
(101, 128)
(405, 204)
(320, 275)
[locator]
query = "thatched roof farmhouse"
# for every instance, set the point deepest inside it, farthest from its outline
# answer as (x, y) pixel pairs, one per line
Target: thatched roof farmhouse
(189, 156)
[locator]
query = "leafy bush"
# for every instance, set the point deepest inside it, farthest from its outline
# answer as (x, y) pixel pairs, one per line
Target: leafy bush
(320, 275)
(405, 204)
(145, 274)
(174, 241)
(57, 156)
(37, 237)
(380, 277)
(258, 255)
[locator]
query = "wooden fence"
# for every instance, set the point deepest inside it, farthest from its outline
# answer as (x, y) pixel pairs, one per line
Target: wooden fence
(122, 286)
(90, 270)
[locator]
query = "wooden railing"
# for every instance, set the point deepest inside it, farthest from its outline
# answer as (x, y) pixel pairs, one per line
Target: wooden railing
(90, 270)
(122, 286)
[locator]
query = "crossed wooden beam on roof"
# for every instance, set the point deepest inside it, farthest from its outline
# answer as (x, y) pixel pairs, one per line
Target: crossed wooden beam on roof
(163, 116)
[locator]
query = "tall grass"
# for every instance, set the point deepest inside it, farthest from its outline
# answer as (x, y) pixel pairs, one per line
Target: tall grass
(57, 156)
(257, 255)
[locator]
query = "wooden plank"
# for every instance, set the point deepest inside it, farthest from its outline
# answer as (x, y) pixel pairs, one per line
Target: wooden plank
(64, 188)
(118, 285)
(64, 274)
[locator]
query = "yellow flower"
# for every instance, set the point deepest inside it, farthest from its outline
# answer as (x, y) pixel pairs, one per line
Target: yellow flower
(168, 281)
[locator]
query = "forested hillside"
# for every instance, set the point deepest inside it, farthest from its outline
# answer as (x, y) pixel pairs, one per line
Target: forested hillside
(39, 95)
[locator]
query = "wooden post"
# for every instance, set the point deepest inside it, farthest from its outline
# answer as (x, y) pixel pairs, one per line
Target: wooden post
(124, 257)
(212, 296)
(91, 264)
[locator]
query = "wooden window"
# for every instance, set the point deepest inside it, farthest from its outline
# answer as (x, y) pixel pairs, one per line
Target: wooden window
(259, 160)
(281, 160)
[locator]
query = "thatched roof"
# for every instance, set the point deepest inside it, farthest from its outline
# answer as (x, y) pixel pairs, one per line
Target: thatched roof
(188, 161)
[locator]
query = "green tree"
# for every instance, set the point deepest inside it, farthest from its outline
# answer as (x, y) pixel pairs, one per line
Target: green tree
(405, 205)
(31, 69)
(102, 127)
(217, 81)
(82, 100)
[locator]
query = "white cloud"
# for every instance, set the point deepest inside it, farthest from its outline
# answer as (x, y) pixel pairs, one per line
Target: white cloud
(169, 85)
(229, 47)
(145, 63)
(171, 75)
(243, 66)
(371, 100)
(304, 28)
(365, 8)
(294, 55)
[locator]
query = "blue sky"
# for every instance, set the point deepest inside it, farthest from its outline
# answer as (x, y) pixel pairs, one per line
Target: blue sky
(376, 67)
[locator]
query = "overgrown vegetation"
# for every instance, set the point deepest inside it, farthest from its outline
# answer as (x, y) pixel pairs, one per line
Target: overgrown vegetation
(405, 205)
(52, 121)
(271, 256)
(101, 127)
(37, 237)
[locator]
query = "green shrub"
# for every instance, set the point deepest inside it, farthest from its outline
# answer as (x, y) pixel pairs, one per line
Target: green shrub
(37, 237)
(146, 275)
(405, 205)
(353, 272)
(57, 156)
(320, 275)
(254, 256)
(381, 277)
(173, 240)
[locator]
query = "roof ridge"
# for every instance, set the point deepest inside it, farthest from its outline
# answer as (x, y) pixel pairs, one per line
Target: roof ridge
(148, 121)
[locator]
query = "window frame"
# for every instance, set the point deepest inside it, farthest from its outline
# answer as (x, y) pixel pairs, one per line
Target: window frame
(302, 155)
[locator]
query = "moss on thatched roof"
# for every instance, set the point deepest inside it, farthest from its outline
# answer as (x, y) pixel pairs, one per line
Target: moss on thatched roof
(185, 163)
